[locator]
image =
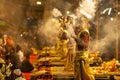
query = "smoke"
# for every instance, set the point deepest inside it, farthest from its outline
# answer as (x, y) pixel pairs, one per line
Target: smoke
(15, 20)
(50, 27)
(107, 24)
(61, 5)
(56, 12)
(87, 8)
(50, 30)
(110, 36)
(106, 42)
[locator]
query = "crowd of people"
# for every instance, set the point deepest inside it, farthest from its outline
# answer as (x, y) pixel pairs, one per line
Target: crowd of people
(72, 46)
(13, 60)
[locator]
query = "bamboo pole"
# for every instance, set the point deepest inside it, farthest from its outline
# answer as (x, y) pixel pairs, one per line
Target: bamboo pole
(117, 30)
(97, 32)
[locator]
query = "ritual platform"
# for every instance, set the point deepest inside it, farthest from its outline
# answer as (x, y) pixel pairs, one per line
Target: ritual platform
(52, 67)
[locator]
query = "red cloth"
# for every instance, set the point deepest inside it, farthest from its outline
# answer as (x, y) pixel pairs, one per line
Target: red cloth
(26, 75)
(9, 41)
(33, 57)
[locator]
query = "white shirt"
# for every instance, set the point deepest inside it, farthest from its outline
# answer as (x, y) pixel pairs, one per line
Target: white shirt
(20, 53)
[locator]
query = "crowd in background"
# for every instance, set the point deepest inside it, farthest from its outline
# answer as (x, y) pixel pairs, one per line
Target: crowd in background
(13, 60)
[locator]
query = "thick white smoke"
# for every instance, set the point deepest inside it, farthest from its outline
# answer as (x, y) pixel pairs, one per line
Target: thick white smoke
(50, 30)
(108, 40)
(51, 26)
(87, 8)
(56, 12)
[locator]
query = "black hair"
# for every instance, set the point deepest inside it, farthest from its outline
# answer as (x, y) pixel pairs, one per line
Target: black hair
(18, 48)
(0, 65)
(7, 57)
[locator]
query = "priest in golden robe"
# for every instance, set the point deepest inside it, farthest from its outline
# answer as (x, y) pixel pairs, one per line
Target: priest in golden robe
(82, 70)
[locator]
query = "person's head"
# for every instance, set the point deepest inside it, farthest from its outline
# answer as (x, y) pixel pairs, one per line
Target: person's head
(7, 59)
(5, 36)
(18, 48)
(69, 19)
(1, 65)
(12, 50)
